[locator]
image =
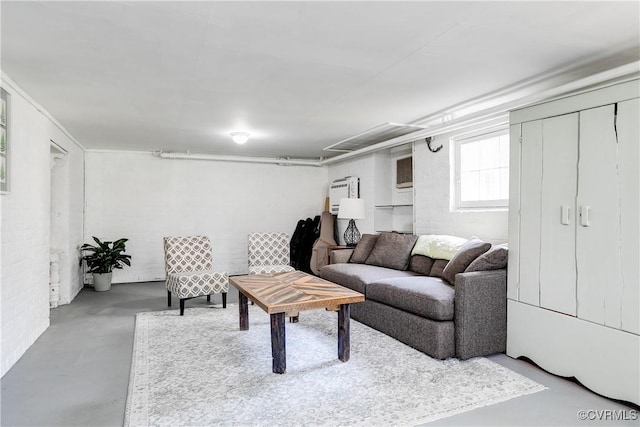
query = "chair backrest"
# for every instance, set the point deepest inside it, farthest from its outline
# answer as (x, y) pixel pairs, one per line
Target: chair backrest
(268, 249)
(186, 254)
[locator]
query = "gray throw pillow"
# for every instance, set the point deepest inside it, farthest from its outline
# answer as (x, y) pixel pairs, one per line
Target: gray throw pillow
(421, 264)
(494, 259)
(465, 256)
(392, 250)
(363, 248)
(438, 268)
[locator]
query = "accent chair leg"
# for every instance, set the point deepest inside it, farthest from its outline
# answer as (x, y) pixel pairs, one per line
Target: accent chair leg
(181, 307)
(169, 298)
(224, 300)
(208, 298)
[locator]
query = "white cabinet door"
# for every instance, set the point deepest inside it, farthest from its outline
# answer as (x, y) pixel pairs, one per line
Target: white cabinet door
(530, 194)
(628, 130)
(598, 241)
(558, 213)
(546, 243)
(513, 272)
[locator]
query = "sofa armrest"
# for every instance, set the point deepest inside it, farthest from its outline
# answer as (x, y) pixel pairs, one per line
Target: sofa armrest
(340, 256)
(480, 313)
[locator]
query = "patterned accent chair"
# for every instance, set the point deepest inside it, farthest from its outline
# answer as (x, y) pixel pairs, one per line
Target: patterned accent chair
(269, 253)
(188, 263)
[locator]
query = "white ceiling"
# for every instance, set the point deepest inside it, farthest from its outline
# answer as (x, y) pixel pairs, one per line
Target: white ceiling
(299, 76)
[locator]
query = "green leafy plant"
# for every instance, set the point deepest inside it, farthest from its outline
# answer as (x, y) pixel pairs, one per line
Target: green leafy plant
(105, 256)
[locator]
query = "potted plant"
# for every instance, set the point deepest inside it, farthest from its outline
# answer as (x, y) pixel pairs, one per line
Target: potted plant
(102, 258)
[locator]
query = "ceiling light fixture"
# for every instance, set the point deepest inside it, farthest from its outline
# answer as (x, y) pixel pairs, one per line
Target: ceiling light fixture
(240, 137)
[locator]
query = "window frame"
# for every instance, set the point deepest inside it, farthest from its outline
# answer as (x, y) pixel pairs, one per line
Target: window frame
(457, 142)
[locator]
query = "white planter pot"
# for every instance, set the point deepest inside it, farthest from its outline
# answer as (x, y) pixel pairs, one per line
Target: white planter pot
(102, 281)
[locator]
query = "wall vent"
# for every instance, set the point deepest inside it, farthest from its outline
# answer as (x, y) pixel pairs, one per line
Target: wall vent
(375, 135)
(404, 172)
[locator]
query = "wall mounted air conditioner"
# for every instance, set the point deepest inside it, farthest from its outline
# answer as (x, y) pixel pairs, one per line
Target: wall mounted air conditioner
(404, 172)
(345, 188)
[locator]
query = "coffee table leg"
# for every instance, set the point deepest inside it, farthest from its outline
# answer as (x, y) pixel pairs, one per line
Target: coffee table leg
(344, 342)
(244, 311)
(278, 348)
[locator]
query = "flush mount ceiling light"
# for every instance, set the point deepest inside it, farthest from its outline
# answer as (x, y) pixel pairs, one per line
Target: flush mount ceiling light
(240, 137)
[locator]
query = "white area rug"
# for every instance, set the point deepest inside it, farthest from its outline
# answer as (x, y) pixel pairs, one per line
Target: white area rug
(201, 370)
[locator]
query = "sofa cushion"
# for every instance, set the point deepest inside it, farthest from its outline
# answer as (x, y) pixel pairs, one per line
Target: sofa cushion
(392, 250)
(425, 296)
(337, 256)
(421, 264)
(465, 256)
(358, 276)
(494, 259)
(438, 268)
(363, 248)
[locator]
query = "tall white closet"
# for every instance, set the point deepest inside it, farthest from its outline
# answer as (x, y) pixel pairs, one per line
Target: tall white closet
(574, 238)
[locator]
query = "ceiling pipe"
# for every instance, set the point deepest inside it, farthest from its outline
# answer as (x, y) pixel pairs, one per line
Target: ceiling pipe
(240, 159)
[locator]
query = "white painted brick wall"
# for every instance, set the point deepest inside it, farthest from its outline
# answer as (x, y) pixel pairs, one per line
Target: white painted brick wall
(25, 234)
(145, 198)
(432, 183)
(25, 226)
(67, 232)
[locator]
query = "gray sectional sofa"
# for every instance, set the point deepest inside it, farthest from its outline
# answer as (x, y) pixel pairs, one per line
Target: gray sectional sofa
(444, 308)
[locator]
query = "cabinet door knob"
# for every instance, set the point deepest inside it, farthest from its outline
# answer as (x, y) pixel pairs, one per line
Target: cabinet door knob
(584, 216)
(565, 215)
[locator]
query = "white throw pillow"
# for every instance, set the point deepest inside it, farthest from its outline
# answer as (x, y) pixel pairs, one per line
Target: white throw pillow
(438, 246)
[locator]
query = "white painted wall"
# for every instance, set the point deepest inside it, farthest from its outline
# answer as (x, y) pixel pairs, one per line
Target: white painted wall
(144, 198)
(25, 225)
(67, 217)
(433, 212)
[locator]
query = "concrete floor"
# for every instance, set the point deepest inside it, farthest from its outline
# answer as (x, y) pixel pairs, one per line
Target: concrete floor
(77, 372)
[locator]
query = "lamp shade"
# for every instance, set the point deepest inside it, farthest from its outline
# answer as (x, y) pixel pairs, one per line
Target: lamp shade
(351, 209)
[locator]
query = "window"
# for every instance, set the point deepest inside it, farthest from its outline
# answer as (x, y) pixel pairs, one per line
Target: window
(482, 171)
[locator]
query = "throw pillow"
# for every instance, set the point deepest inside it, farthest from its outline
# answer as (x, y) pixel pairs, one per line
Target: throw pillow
(392, 250)
(438, 268)
(420, 264)
(465, 256)
(363, 248)
(438, 246)
(494, 259)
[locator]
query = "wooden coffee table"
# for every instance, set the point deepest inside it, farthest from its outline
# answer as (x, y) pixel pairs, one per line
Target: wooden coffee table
(292, 292)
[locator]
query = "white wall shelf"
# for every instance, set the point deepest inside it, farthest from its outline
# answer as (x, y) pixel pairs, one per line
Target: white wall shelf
(394, 210)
